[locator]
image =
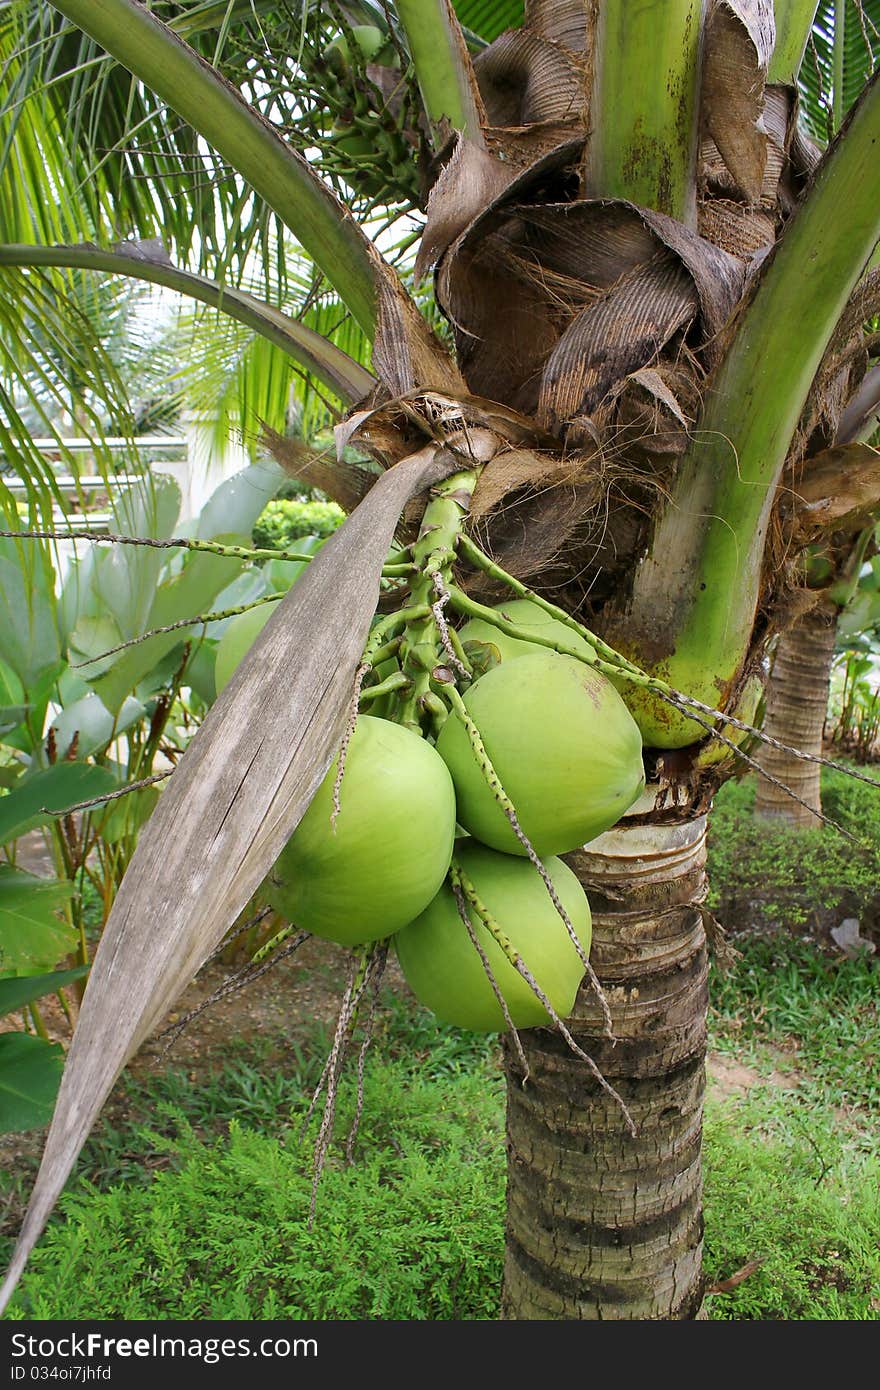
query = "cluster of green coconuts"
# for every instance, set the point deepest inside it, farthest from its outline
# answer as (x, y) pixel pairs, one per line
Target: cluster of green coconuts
(568, 754)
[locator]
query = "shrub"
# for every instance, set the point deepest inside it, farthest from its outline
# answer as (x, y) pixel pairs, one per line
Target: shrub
(413, 1230)
(283, 521)
(763, 874)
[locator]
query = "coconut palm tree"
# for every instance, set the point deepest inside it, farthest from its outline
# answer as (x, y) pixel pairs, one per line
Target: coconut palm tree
(653, 289)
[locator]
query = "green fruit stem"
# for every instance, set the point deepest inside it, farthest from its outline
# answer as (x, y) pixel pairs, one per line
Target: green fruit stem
(397, 570)
(459, 879)
(438, 711)
(397, 681)
(480, 560)
(233, 552)
(385, 626)
(433, 554)
(200, 620)
(385, 653)
(468, 607)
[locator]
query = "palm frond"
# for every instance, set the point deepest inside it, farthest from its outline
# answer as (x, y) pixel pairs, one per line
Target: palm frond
(843, 51)
(57, 377)
(486, 19)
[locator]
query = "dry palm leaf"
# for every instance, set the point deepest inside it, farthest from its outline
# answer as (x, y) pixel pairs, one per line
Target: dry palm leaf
(347, 483)
(840, 489)
(739, 39)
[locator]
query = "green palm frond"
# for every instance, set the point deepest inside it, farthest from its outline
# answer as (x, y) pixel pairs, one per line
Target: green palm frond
(139, 170)
(135, 167)
(489, 18)
(843, 51)
(58, 377)
(244, 381)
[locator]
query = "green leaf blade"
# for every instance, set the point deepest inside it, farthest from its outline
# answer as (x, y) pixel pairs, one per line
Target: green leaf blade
(30, 1074)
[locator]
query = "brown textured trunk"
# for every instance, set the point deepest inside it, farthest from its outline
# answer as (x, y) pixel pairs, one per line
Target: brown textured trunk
(601, 1225)
(797, 701)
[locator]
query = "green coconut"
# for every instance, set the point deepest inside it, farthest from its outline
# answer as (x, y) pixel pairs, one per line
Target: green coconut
(391, 846)
(532, 619)
(237, 640)
(368, 41)
(714, 753)
(564, 745)
(444, 969)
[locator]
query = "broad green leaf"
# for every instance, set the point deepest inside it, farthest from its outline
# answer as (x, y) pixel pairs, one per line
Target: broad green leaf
(251, 584)
(108, 593)
(200, 671)
(156, 681)
(93, 722)
(27, 736)
(32, 936)
(70, 688)
(11, 716)
(30, 1074)
(149, 507)
(24, 989)
(862, 614)
(870, 581)
(56, 788)
(11, 688)
(28, 633)
(228, 515)
(127, 575)
(89, 639)
(10, 773)
(235, 505)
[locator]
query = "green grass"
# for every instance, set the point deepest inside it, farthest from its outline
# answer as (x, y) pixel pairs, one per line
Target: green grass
(790, 1190)
(788, 1007)
(198, 1200)
(216, 1223)
(412, 1230)
(793, 1170)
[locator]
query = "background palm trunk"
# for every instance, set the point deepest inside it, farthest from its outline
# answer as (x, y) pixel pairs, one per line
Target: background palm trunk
(601, 1225)
(797, 702)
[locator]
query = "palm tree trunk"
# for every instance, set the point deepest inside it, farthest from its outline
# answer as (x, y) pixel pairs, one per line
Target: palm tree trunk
(797, 700)
(601, 1225)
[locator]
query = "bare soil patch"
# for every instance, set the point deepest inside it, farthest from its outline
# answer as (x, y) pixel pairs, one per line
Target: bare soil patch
(727, 1077)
